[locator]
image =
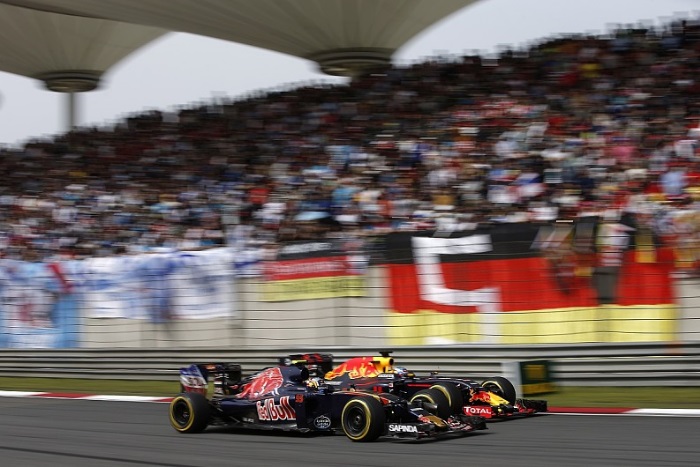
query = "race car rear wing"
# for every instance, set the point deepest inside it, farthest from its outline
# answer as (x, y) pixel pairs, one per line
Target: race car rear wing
(196, 377)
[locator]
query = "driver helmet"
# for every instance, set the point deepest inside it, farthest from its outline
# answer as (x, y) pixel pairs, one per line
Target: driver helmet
(401, 371)
(313, 383)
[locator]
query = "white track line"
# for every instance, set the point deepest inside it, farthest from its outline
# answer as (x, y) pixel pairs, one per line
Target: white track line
(161, 400)
(19, 393)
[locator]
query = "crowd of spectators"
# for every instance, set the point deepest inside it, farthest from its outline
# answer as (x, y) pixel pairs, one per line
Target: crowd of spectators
(572, 125)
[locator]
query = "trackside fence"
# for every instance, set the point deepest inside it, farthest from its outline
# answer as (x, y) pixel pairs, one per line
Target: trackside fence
(653, 364)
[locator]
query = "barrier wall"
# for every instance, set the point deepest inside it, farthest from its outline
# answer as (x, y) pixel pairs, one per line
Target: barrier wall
(649, 364)
(338, 321)
(480, 287)
(341, 322)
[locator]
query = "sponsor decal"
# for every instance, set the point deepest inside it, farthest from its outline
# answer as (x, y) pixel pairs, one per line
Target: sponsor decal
(264, 383)
(359, 367)
(312, 270)
(536, 377)
(475, 410)
(269, 411)
(192, 380)
(322, 422)
(296, 269)
(343, 285)
(400, 428)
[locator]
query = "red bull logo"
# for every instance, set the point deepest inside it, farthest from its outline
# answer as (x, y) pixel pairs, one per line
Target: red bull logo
(265, 383)
(269, 411)
(483, 396)
(360, 367)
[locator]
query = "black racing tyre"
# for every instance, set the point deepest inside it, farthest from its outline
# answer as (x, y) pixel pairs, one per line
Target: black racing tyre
(437, 397)
(453, 394)
(363, 418)
(189, 412)
(502, 387)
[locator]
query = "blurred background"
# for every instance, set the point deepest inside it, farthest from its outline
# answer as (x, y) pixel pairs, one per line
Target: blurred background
(537, 195)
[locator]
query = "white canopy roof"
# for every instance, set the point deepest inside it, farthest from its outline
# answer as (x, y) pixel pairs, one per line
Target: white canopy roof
(342, 36)
(68, 53)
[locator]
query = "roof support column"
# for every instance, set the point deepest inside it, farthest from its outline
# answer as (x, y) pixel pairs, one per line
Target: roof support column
(72, 111)
(71, 82)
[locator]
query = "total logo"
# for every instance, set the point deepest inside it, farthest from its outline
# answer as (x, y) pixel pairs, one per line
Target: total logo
(322, 422)
(396, 428)
(481, 411)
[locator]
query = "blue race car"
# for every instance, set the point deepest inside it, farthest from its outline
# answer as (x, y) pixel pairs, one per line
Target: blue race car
(286, 397)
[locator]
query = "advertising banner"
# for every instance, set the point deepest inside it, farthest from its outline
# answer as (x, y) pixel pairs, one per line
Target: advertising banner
(531, 377)
(315, 269)
(158, 287)
(41, 303)
(37, 306)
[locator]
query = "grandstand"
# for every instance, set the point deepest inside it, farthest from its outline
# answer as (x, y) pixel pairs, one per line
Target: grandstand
(573, 128)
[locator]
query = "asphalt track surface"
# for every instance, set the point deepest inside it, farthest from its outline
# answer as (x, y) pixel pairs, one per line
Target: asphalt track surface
(87, 433)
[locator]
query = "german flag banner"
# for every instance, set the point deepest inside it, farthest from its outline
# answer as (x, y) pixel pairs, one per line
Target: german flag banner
(313, 270)
(528, 283)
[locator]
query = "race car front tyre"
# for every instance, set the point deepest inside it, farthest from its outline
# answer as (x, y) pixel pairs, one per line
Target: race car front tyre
(437, 399)
(502, 387)
(453, 394)
(363, 419)
(189, 412)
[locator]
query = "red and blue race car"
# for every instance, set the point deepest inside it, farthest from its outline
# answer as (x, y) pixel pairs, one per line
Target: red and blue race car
(286, 397)
(492, 398)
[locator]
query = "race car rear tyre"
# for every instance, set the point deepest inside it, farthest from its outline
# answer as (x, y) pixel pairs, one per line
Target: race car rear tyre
(502, 387)
(190, 412)
(453, 394)
(437, 398)
(363, 419)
